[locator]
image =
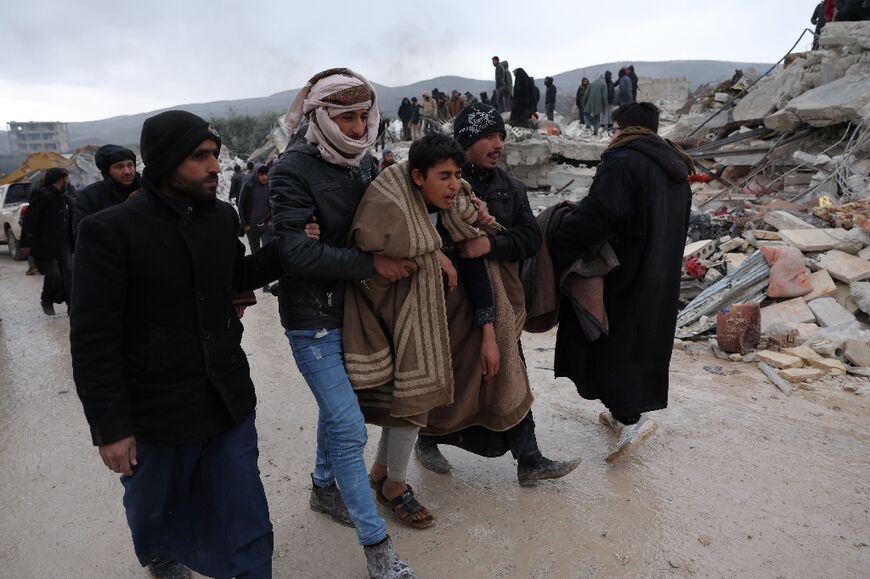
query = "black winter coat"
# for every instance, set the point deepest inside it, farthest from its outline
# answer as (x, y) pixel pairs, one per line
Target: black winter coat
(47, 226)
(550, 98)
(508, 202)
(639, 201)
(100, 195)
(303, 185)
(154, 335)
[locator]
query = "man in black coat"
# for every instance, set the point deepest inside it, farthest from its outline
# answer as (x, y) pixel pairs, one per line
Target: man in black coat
(47, 230)
(118, 167)
(550, 98)
(157, 361)
(480, 131)
(237, 181)
(640, 202)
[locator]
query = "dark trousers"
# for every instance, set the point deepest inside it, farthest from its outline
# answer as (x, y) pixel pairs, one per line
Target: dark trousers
(58, 278)
(551, 110)
(259, 235)
(202, 504)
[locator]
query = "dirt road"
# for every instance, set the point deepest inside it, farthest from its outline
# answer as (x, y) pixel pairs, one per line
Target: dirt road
(739, 481)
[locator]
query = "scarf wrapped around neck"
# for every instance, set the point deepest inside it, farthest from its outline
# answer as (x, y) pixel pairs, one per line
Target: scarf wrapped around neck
(327, 95)
(633, 133)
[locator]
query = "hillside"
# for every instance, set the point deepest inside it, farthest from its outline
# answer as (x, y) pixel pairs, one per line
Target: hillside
(125, 129)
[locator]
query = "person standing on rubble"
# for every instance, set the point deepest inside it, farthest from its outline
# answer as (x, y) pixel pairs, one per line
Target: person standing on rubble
(120, 179)
(550, 98)
(430, 114)
(255, 214)
(581, 95)
(607, 115)
(47, 230)
(594, 103)
(629, 70)
(405, 117)
(640, 202)
(322, 175)
(499, 84)
(416, 121)
(237, 181)
(625, 90)
(480, 131)
(157, 361)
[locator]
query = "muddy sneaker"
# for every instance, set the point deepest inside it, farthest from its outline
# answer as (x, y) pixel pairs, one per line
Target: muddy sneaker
(166, 569)
(545, 469)
(385, 563)
(48, 308)
(328, 500)
(607, 419)
(631, 436)
(431, 458)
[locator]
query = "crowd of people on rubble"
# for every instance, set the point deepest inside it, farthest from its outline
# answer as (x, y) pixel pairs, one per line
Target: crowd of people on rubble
(516, 93)
(403, 290)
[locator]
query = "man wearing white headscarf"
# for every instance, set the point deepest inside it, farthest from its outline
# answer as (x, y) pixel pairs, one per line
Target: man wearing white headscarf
(321, 177)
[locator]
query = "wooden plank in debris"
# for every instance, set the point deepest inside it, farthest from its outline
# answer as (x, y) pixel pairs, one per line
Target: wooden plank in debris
(774, 377)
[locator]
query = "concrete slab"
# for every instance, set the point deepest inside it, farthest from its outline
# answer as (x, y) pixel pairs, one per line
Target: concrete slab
(823, 285)
(813, 239)
(858, 353)
(796, 375)
(860, 294)
(829, 313)
(790, 311)
(784, 220)
(845, 267)
(779, 359)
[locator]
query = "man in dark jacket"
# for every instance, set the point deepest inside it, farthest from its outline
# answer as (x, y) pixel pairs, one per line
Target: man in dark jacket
(237, 181)
(405, 117)
(629, 70)
(480, 130)
(499, 84)
(550, 98)
(578, 100)
(626, 90)
(158, 365)
(118, 167)
(639, 202)
(47, 231)
(322, 176)
(255, 213)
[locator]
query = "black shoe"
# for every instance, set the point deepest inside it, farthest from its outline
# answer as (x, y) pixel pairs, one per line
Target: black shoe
(545, 469)
(48, 308)
(328, 500)
(166, 569)
(431, 458)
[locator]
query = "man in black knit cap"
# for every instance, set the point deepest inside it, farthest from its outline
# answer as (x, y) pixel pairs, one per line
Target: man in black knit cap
(480, 131)
(118, 167)
(157, 362)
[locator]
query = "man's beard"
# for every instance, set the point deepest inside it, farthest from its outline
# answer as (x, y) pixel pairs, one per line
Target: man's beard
(198, 191)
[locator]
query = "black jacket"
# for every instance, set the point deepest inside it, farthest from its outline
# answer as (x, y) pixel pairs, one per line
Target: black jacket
(153, 332)
(640, 201)
(508, 202)
(47, 226)
(236, 183)
(405, 111)
(304, 186)
(100, 195)
(550, 98)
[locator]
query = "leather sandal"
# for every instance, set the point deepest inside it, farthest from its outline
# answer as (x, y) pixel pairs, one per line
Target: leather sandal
(405, 506)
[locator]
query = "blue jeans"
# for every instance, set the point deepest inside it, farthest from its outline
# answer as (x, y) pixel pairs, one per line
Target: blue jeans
(202, 504)
(341, 429)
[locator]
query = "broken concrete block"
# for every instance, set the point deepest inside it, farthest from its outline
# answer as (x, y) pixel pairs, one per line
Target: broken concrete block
(860, 294)
(764, 235)
(808, 355)
(858, 353)
(796, 375)
(734, 245)
(844, 299)
(833, 103)
(699, 249)
(845, 34)
(813, 239)
(713, 275)
(845, 267)
(784, 220)
(733, 261)
(822, 284)
(789, 311)
(864, 253)
(804, 331)
(779, 360)
(829, 313)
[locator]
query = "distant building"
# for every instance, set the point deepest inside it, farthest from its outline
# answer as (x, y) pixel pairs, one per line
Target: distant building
(40, 136)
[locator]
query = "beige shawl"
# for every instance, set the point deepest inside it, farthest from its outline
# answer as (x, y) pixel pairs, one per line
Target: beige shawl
(397, 344)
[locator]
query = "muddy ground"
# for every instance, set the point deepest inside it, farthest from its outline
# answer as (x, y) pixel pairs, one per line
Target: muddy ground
(739, 481)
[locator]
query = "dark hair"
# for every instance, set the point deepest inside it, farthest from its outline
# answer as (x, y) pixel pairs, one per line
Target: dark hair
(262, 169)
(250, 165)
(638, 115)
(495, 58)
(433, 149)
(236, 168)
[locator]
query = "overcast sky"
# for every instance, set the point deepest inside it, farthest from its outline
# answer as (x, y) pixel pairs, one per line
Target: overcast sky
(76, 61)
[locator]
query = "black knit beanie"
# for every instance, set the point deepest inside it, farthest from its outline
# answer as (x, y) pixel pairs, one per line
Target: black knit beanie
(476, 121)
(108, 155)
(168, 138)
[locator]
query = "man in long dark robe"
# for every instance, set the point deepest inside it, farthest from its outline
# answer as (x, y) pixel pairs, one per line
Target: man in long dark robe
(639, 202)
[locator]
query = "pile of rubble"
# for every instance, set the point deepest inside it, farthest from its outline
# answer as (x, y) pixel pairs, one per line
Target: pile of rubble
(778, 262)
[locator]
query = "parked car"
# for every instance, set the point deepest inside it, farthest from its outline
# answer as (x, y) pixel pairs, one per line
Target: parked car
(14, 199)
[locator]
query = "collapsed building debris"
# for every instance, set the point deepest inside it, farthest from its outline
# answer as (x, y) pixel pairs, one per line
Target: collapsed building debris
(790, 168)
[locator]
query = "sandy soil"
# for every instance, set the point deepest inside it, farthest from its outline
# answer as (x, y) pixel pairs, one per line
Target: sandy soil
(739, 481)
